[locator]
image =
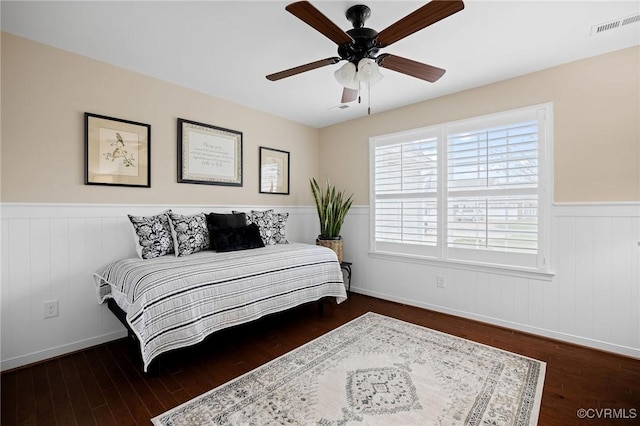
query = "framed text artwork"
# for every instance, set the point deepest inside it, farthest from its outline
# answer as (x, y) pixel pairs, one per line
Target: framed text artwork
(208, 154)
(274, 171)
(117, 152)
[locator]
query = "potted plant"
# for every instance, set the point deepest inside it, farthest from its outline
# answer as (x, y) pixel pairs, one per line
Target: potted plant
(332, 208)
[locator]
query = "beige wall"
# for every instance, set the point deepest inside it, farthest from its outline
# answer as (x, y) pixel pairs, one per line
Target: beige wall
(596, 105)
(45, 92)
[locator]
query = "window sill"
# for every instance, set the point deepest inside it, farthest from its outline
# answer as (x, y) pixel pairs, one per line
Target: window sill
(467, 266)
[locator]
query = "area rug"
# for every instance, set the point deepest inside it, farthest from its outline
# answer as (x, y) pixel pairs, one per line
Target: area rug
(377, 370)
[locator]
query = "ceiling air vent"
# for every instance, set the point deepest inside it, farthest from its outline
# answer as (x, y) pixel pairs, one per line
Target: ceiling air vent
(631, 20)
(342, 106)
(612, 25)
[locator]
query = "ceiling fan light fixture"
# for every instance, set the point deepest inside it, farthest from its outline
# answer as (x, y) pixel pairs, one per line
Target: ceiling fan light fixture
(368, 71)
(346, 76)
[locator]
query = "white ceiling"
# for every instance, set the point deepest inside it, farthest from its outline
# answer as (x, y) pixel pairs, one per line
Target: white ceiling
(225, 49)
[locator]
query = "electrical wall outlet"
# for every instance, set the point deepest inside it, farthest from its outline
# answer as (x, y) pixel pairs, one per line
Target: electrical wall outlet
(51, 308)
(440, 281)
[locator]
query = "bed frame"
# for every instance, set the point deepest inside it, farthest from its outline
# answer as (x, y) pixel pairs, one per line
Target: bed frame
(154, 368)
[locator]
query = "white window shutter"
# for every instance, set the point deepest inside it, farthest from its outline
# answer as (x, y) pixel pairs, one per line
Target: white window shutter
(405, 188)
(492, 180)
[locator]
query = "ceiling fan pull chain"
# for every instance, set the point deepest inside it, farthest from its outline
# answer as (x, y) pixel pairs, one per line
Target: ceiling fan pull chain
(368, 98)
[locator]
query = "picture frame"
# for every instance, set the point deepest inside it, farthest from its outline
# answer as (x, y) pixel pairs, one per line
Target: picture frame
(209, 154)
(274, 171)
(117, 151)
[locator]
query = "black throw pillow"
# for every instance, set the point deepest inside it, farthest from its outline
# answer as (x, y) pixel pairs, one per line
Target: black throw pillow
(224, 220)
(231, 239)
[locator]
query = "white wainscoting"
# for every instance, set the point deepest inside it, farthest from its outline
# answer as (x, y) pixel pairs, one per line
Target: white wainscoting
(50, 251)
(593, 299)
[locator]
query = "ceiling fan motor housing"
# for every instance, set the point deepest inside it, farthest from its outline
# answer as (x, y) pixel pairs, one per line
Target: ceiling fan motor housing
(363, 45)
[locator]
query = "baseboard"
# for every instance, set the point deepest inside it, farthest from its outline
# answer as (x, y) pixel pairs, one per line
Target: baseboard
(25, 360)
(564, 337)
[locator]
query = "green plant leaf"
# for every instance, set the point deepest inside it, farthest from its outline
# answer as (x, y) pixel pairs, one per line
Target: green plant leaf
(331, 206)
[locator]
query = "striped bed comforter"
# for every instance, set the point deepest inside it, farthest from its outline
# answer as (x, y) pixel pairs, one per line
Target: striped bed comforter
(173, 302)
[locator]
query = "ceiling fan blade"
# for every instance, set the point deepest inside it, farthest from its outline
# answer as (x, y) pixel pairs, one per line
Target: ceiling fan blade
(349, 95)
(409, 67)
(305, 11)
(428, 14)
(303, 68)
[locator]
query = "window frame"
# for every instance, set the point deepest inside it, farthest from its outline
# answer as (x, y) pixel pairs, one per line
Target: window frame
(537, 265)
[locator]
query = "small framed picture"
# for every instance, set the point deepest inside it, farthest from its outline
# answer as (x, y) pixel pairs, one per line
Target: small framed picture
(117, 152)
(208, 154)
(274, 171)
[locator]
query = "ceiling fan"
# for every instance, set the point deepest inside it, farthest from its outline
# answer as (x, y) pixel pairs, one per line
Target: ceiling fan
(360, 45)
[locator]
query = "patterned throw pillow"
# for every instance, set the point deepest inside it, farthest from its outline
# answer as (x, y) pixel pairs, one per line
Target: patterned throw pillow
(152, 235)
(272, 225)
(190, 234)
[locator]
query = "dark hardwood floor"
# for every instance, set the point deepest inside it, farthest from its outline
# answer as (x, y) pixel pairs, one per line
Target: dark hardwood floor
(104, 385)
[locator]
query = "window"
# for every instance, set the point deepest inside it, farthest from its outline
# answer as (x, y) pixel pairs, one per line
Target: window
(473, 191)
(406, 204)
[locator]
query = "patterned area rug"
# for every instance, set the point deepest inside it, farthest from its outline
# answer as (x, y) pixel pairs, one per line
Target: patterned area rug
(377, 370)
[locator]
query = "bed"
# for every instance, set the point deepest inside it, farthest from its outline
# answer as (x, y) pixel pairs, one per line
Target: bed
(173, 302)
